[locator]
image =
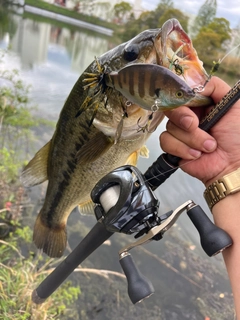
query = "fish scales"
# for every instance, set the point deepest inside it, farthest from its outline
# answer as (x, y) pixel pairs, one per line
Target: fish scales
(80, 153)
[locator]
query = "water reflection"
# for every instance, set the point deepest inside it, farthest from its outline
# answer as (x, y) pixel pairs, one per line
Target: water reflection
(50, 58)
(34, 42)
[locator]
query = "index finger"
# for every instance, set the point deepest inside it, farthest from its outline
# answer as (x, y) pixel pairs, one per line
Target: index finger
(216, 88)
(184, 118)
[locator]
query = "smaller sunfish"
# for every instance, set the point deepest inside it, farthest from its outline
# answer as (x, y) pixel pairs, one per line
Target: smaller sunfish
(150, 86)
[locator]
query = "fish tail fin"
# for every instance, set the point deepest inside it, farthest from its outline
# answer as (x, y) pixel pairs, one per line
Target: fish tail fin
(52, 240)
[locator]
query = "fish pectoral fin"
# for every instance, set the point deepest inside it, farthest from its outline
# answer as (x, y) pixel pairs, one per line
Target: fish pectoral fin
(86, 208)
(132, 159)
(144, 152)
(35, 171)
(94, 148)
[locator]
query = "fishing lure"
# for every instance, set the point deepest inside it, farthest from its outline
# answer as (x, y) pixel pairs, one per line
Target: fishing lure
(150, 86)
(99, 91)
(179, 69)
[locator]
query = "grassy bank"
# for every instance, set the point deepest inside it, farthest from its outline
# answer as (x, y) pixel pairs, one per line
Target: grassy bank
(20, 275)
(69, 13)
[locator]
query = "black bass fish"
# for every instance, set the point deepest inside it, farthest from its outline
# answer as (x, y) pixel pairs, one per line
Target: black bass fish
(108, 132)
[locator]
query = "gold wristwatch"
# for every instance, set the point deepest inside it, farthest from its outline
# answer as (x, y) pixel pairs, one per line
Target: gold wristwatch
(222, 187)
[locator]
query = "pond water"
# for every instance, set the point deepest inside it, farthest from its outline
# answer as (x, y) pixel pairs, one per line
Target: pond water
(50, 59)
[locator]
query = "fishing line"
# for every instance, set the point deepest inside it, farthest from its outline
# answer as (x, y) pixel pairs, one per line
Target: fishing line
(200, 88)
(216, 65)
(173, 169)
(220, 61)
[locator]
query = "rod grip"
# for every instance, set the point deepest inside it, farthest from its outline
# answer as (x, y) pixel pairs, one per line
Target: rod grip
(165, 165)
(97, 235)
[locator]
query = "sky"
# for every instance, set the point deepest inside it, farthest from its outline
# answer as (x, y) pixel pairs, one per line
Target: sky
(228, 9)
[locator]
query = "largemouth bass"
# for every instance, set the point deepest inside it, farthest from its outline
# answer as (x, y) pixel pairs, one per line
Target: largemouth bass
(99, 130)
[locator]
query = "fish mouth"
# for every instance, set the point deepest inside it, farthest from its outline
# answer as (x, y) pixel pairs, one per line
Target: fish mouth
(175, 51)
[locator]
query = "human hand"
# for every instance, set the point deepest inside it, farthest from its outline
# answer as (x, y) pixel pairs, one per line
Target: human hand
(217, 152)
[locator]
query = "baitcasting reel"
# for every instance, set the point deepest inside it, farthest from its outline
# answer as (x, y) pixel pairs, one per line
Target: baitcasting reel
(125, 203)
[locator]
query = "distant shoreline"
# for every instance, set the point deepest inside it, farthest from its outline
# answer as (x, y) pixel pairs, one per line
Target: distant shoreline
(69, 20)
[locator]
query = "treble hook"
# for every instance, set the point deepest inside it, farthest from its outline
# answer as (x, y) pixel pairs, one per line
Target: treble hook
(146, 126)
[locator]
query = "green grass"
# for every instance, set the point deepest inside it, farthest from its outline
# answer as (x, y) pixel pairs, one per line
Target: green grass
(20, 275)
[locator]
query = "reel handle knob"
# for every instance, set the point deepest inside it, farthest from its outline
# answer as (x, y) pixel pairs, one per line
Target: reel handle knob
(213, 239)
(139, 287)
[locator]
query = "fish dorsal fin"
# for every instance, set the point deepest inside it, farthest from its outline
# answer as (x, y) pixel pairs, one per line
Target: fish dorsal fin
(86, 208)
(35, 171)
(94, 148)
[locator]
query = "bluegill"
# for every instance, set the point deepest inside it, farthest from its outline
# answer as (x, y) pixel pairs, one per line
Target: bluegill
(98, 130)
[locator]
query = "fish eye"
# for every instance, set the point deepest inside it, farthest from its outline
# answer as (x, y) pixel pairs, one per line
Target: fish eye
(131, 52)
(179, 94)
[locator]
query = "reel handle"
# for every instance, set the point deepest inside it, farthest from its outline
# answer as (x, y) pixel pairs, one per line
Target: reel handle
(213, 239)
(139, 287)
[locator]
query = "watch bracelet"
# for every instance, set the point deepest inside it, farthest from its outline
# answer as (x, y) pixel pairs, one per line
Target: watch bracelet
(222, 187)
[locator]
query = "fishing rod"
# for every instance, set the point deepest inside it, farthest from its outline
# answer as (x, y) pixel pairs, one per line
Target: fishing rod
(125, 203)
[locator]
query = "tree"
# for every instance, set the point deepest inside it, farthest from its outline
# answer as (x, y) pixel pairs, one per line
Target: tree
(122, 11)
(206, 14)
(177, 14)
(221, 26)
(211, 38)
(153, 20)
(147, 20)
(167, 3)
(7, 22)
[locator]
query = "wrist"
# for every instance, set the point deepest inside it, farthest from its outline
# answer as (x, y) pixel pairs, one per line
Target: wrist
(226, 216)
(228, 169)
